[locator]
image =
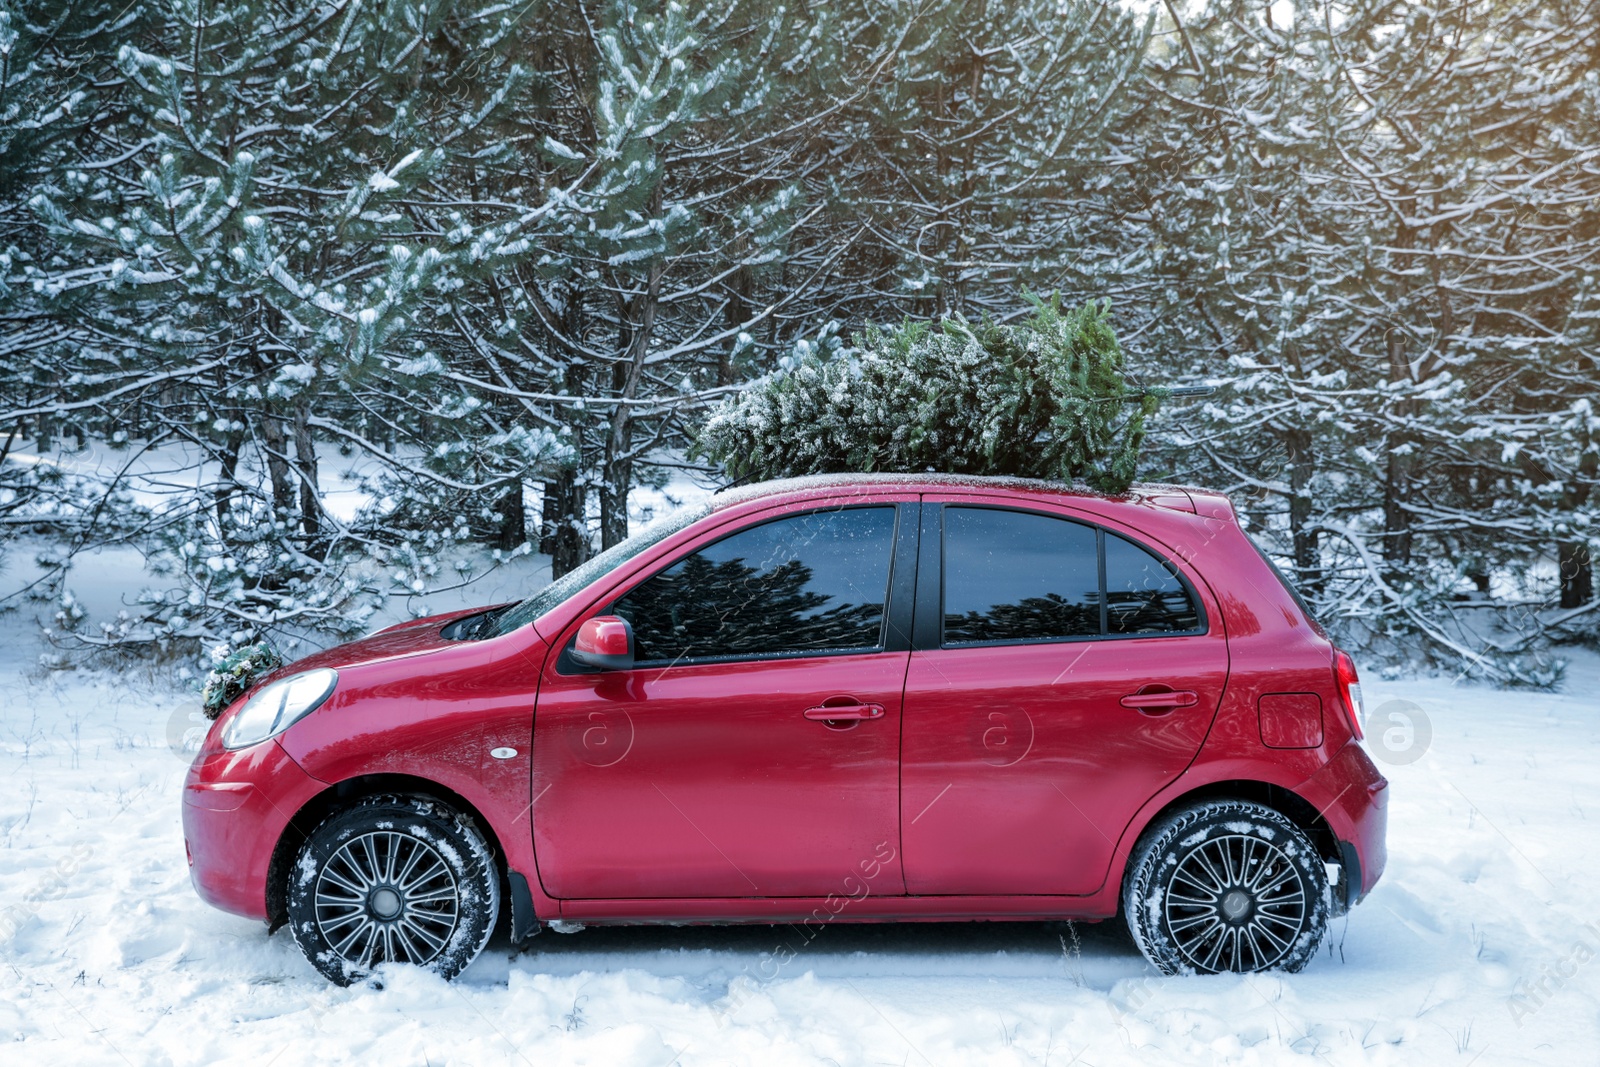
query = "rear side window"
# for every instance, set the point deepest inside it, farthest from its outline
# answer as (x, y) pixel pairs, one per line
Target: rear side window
(1144, 595)
(812, 583)
(1013, 576)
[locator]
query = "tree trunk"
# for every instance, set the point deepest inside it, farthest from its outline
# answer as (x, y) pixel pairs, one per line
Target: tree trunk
(1397, 477)
(1574, 559)
(616, 465)
(1307, 555)
(736, 314)
(1576, 565)
(563, 529)
(305, 454)
(513, 518)
(617, 473)
(227, 480)
(564, 513)
(1396, 519)
(614, 495)
(275, 445)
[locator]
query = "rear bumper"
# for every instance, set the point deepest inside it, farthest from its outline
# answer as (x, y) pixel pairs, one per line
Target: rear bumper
(235, 807)
(1354, 798)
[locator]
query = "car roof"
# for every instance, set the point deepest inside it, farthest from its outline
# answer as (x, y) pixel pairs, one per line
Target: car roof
(1175, 497)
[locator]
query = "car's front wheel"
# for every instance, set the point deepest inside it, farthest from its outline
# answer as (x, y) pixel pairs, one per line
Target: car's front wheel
(393, 879)
(1226, 885)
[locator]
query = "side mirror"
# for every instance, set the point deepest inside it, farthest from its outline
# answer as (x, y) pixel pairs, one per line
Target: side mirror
(605, 642)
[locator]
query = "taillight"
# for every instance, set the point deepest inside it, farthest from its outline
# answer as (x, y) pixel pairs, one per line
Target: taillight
(1349, 684)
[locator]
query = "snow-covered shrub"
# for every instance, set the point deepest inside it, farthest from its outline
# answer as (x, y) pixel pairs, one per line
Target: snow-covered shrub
(233, 672)
(1044, 398)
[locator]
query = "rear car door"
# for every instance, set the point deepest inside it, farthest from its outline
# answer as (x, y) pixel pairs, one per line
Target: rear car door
(1063, 672)
(753, 751)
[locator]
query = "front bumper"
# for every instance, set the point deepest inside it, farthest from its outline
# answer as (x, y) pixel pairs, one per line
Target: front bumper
(1354, 798)
(235, 808)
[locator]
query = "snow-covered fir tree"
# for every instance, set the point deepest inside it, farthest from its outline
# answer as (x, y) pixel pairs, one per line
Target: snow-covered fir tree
(1045, 397)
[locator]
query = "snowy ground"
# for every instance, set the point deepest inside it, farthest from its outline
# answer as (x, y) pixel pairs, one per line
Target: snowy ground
(107, 956)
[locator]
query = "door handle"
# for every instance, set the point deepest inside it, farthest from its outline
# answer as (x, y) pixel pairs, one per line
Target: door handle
(844, 712)
(1181, 699)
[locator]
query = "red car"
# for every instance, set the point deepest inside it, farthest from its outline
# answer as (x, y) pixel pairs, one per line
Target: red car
(832, 699)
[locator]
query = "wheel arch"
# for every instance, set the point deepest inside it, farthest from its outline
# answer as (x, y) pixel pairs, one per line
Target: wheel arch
(342, 795)
(1285, 801)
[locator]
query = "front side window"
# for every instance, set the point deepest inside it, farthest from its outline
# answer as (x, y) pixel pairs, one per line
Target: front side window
(811, 583)
(1015, 576)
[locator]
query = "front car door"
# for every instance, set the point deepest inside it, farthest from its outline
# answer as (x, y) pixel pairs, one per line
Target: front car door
(713, 768)
(1035, 725)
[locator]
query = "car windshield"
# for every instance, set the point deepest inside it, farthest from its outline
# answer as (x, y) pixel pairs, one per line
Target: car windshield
(519, 615)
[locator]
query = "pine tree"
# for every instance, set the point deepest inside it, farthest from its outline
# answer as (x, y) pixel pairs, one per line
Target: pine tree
(50, 58)
(251, 282)
(1382, 258)
(976, 162)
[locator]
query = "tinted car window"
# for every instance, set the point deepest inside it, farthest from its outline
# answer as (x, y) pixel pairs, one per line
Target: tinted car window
(1143, 593)
(816, 582)
(1012, 576)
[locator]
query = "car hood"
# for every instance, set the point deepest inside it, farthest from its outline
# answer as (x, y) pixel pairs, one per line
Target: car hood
(401, 640)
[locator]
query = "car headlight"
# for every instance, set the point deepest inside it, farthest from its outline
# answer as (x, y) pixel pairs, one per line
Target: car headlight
(277, 706)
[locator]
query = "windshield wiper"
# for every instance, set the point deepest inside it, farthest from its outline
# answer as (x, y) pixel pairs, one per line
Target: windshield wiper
(475, 627)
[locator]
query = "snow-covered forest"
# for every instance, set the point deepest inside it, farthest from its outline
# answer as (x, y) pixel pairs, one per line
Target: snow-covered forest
(490, 266)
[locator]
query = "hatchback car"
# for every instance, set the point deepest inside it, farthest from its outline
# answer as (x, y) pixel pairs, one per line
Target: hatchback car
(833, 699)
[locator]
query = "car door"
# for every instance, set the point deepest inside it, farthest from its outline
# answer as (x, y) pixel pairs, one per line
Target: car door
(753, 750)
(1035, 724)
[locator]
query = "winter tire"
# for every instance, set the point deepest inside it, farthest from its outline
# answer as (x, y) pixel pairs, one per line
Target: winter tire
(393, 879)
(1226, 885)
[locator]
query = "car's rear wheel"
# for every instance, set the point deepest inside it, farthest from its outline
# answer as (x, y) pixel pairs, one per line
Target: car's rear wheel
(1227, 885)
(393, 879)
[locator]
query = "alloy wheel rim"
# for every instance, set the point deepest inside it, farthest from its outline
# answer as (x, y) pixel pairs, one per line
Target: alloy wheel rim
(386, 897)
(1235, 903)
